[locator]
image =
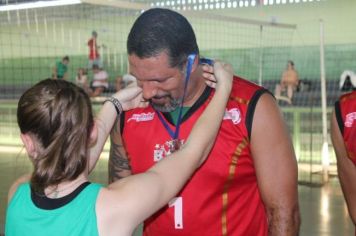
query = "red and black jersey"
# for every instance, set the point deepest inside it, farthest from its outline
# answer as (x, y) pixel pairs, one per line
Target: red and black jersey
(345, 112)
(222, 197)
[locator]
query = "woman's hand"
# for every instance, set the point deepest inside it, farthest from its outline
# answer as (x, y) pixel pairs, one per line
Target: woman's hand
(131, 97)
(220, 73)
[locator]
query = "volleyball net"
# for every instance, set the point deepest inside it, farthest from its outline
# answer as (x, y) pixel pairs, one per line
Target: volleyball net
(33, 40)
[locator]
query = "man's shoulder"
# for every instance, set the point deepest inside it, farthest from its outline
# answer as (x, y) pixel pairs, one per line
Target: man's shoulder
(290, 72)
(240, 79)
(240, 85)
(101, 75)
(60, 65)
(90, 42)
(105, 72)
(348, 96)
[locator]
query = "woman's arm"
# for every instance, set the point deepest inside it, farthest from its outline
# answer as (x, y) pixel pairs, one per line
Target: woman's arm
(129, 98)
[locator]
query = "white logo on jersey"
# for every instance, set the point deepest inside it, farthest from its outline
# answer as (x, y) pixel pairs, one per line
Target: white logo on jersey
(350, 119)
(142, 117)
(233, 114)
(163, 150)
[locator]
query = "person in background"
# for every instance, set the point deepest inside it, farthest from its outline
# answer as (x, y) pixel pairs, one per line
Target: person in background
(64, 142)
(81, 79)
(248, 185)
(343, 136)
(61, 68)
(124, 81)
(94, 55)
(100, 81)
(289, 82)
(347, 80)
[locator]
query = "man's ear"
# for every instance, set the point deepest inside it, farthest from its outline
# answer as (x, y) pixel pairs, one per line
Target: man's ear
(195, 63)
(28, 141)
(93, 135)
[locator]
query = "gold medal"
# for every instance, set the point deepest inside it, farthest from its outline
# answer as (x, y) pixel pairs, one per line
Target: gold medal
(175, 145)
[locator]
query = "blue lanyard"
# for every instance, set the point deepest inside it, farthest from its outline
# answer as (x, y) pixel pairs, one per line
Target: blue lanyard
(175, 134)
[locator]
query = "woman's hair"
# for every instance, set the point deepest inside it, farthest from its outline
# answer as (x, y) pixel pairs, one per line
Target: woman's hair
(58, 114)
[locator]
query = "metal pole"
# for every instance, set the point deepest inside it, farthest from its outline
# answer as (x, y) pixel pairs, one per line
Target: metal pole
(325, 147)
(261, 57)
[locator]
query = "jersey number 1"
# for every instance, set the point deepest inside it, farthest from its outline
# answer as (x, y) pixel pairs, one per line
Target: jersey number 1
(177, 203)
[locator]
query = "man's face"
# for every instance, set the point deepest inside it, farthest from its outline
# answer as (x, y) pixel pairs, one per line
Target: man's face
(95, 69)
(162, 85)
(65, 62)
(289, 65)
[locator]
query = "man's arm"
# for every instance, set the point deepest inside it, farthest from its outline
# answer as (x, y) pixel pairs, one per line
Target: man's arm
(345, 168)
(297, 80)
(65, 76)
(283, 78)
(119, 164)
(276, 168)
(107, 121)
(54, 72)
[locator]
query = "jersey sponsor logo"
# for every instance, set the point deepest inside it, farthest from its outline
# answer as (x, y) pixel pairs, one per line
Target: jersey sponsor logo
(142, 117)
(350, 119)
(162, 150)
(233, 114)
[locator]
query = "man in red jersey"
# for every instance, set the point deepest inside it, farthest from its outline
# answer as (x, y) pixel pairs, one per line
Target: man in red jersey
(94, 56)
(343, 136)
(248, 185)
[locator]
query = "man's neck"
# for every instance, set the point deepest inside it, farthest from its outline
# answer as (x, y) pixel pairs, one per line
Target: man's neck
(196, 87)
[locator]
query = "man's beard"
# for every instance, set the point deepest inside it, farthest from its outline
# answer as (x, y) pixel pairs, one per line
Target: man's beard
(173, 104)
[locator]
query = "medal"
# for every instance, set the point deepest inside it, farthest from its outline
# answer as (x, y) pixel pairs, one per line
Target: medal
(175, 144)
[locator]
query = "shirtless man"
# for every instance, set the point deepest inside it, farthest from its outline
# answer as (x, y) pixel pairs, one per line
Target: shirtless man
(289, 82)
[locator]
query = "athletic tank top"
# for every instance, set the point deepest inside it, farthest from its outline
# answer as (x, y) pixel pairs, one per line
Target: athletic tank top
(345, 112)
(222, 197)
(78, 217)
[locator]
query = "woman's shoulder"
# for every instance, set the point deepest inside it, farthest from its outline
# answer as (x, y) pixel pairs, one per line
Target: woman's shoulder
(16, 184)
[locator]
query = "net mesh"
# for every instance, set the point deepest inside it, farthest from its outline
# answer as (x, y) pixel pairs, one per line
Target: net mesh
(33, 40)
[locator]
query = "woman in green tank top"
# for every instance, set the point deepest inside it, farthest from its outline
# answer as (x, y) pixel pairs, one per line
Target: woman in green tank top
(64, 142)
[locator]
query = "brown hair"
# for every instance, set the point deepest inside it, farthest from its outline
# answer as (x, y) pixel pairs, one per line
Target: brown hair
(59, 115)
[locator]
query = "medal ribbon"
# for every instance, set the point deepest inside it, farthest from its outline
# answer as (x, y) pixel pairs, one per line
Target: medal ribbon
(175, 134)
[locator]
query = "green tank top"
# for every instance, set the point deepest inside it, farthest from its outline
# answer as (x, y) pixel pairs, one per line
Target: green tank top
(174, 114)
(77, 217)
(61, 69)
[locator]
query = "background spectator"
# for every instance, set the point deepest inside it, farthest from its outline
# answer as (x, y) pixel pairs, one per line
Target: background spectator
(81, 79)
(94, 56)
(61, 68)
(100, 81)
(289, 82)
